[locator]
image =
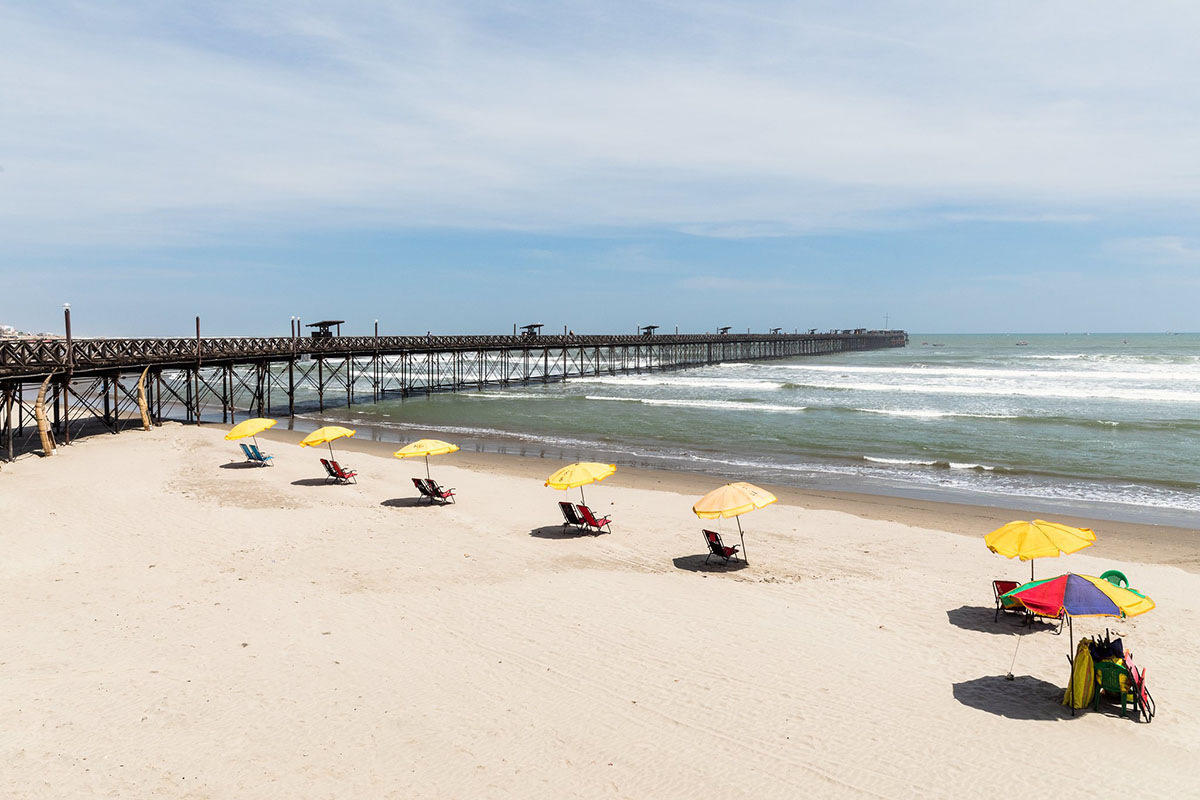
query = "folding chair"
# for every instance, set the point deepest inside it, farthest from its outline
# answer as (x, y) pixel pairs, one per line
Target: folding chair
(570, 515)
(717, 548)
(423, 489)
(589, 519)
(1003, 587)
(438, 493)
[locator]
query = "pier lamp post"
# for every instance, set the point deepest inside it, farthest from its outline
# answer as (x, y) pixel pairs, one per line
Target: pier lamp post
(67, 326)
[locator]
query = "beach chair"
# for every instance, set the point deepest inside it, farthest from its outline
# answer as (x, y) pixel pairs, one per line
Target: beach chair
(342, 474)
(438, 493)
(257, 456)
(1116, 578)
(246, 450)
(423, 489)
(717, 548)
(570, 515)
(1114, 678)
(1002, 587)
(589, 519)
(1143, 702)
(330, 475)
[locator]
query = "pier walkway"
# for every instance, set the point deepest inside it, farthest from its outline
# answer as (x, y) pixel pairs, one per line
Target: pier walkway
(119, 382)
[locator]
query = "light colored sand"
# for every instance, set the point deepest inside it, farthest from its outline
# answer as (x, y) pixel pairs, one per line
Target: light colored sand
(174, 628)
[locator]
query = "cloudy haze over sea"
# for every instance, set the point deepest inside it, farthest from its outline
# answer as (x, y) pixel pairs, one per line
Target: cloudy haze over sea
(1021, 168)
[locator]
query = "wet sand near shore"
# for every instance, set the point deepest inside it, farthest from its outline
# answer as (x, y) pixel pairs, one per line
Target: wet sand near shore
(1121, 541)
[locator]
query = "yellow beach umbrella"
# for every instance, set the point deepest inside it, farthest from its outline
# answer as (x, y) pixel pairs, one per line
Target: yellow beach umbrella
(1037, 539)
(427, 448)
(580, 475)
(733, 500)
(325, 436)
(251, 427)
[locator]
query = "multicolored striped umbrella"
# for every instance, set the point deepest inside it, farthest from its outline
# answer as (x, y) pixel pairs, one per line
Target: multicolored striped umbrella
(1079, 596)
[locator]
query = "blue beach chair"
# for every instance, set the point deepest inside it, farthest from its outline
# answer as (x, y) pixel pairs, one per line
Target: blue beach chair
(246, 450)
(256, 455)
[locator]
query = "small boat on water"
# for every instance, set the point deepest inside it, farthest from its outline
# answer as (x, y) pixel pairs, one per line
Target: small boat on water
(1022, 343)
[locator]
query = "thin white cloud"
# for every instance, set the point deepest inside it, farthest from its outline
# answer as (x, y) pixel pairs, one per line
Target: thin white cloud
(1156, 249)
(975, 216)
(146, 125)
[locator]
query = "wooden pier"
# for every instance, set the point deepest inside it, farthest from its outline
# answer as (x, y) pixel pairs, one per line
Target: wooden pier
(115, 383)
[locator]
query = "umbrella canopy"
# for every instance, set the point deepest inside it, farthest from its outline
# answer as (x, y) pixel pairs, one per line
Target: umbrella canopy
(1079, 596)
(251, 427)
(325, 436)
(426, 448)
(580, 475)
(1037, 539)
(733, 500)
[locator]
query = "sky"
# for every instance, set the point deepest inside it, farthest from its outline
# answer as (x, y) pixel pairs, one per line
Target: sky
(459, 167)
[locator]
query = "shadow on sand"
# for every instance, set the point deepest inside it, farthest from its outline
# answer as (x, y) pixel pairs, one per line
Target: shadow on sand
(239, 465)
(407, 502)
(313, 482)
(696, 564)
(983, 620)
(1024, 697)
(559, 532)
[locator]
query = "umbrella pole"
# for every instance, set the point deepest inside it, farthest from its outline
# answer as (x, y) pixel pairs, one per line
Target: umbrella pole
(427, 468)
(330, 450)
(582, 499)
(742, 536)
(1071, 660)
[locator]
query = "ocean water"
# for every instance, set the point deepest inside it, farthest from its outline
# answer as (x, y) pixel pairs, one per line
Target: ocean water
(1104, 425)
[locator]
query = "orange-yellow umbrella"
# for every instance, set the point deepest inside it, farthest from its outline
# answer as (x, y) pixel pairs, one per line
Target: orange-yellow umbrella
(427, 448)
(733, 500)
(580, 475)
(1037, 539)
(251, 428)
(325, 436)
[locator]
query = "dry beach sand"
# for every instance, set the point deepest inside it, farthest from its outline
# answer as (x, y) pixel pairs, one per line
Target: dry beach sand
(178, 625)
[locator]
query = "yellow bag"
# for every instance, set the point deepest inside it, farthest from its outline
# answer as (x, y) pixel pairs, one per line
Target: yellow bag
(1082, 687)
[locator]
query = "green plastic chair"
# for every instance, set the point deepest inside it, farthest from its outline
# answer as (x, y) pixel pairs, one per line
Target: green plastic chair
(1114, 678)
(1116, 578)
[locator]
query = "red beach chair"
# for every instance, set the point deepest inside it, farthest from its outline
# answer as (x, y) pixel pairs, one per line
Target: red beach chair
(1142, 701)
(590, 520)
(1001, 587)
(341, 475)
(438, 493)
(717, 548)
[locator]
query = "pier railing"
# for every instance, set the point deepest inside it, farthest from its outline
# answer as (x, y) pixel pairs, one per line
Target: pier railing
(29, 357)
(108, 382)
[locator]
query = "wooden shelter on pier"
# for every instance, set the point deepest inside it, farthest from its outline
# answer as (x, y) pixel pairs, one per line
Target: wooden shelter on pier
(322, 328)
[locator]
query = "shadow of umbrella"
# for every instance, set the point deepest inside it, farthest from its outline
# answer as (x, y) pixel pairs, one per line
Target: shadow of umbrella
(312, 482)
(559, 532)
(405, 502)
(696, 564)
(983, 619)
(1024, 697)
